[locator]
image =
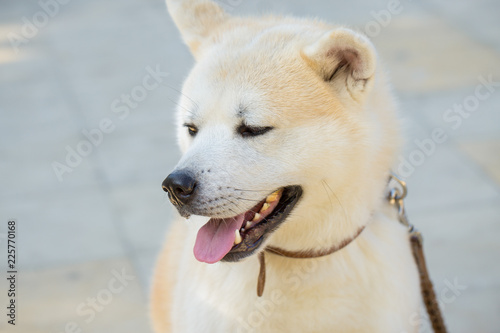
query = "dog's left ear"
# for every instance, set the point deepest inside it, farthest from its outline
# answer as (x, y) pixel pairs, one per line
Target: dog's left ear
(196, 20)
(345, 59)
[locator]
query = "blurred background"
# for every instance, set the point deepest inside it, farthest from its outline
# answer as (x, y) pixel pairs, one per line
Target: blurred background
(87, 96)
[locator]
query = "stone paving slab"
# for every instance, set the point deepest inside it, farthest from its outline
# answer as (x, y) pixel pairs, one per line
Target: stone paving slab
(451, 172)
(96, 296)
(460, 244)
(63, 228)
(487, 155)
(431, 55)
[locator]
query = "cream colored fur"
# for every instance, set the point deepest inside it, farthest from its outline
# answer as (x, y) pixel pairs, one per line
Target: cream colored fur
(335, 134)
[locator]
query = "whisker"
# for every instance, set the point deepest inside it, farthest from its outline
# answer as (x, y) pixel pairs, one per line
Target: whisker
(340, 203)
(250, 210)
(234, 203)
(238, 206)
(180, 92)
(242, 190)
(181, 106)
(248, 199)
(323, 182)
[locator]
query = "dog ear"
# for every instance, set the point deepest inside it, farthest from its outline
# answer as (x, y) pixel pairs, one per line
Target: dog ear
(344, 58)
(196, 20)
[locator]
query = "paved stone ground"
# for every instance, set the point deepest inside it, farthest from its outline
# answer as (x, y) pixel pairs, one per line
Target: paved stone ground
(108, 215)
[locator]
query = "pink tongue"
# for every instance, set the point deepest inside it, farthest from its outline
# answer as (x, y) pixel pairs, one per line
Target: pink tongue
(216, 238)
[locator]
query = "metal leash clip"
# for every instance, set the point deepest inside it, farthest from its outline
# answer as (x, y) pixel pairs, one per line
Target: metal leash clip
(396, 197)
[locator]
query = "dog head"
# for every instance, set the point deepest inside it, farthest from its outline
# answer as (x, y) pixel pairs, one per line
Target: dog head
(285, 130)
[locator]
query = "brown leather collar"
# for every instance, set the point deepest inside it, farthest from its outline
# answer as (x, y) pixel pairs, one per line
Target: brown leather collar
(297, 255)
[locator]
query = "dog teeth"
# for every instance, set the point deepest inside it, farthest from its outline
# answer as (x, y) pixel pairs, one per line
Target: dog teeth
(248, 225)
(264, 207)
(237, 237)
(272, 197)
(256, 217)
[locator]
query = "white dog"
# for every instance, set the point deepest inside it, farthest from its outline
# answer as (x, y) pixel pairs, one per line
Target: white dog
(288, 131)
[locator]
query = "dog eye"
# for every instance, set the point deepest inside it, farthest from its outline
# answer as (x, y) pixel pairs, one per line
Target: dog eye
(247, 131)
(192, 130)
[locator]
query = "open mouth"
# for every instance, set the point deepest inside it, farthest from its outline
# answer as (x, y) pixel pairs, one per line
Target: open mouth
(232, 239)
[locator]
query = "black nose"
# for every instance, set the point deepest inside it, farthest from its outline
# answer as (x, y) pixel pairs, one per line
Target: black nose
(180, 186)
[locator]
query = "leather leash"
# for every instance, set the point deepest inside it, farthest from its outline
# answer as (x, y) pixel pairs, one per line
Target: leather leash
(395, 197)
